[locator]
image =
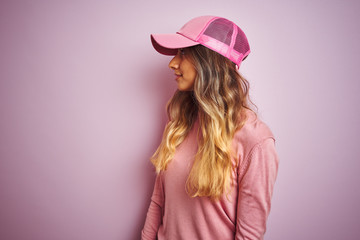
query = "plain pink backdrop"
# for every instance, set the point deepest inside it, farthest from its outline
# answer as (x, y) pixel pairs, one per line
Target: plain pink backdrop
(82, 99)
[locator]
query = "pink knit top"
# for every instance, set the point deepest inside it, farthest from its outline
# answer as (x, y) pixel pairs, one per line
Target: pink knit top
(242, 214)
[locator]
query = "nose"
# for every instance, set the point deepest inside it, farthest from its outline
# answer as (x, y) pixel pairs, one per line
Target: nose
(175, 62)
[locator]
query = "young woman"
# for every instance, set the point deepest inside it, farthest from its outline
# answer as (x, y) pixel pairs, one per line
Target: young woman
(216, 164)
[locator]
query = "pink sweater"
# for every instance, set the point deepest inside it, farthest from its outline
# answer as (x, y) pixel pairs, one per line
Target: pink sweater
(173, 215)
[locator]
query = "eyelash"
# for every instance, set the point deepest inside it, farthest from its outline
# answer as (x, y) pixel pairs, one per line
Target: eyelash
(182, 51)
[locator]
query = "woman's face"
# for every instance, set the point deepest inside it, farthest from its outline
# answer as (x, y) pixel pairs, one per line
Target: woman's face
(184, 70)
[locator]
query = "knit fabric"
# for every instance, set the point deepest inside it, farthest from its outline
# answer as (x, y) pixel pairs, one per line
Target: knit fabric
(240, 214)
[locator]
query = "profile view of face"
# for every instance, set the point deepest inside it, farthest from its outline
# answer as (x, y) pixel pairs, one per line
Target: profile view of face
(184, 70)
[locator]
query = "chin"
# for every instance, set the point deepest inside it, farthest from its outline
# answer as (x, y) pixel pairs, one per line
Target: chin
(182, 89)
(185, 89)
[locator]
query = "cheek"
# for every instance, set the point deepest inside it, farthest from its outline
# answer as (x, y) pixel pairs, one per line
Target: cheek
(191, 72)
(193, 77)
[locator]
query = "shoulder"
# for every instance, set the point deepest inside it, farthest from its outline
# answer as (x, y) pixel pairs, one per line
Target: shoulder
(253, 133)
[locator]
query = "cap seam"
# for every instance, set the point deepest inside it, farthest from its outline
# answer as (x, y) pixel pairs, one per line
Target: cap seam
(187, 37)
(233, 39)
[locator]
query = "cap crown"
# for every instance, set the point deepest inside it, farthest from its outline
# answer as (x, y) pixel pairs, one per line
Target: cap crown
(218, 34)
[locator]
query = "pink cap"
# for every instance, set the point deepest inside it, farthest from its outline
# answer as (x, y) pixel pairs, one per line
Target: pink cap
(216, 33)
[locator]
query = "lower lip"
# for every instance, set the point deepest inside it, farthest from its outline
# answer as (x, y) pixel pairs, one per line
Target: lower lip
(177, 77)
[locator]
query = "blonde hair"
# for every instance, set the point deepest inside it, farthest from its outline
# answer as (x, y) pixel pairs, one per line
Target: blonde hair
(219, 95)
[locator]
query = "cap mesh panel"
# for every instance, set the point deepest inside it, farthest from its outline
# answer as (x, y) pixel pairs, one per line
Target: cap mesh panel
(241, 45)
(221, 30)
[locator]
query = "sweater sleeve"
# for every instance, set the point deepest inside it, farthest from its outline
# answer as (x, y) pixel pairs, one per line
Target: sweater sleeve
(256, 182)
(154, 214)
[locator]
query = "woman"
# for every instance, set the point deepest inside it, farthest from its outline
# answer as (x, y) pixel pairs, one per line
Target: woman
(216, 164)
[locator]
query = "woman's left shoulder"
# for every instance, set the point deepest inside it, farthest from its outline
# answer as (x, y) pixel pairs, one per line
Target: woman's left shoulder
(254, 131)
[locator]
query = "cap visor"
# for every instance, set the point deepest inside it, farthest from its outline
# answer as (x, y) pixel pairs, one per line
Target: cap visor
(168, 44)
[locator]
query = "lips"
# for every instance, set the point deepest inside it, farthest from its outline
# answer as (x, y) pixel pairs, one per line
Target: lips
(177, 76)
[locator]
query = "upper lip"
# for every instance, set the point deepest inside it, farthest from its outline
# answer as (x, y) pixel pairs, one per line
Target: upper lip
(177, 74)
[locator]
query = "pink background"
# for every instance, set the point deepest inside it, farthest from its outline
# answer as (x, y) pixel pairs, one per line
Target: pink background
(82, 96)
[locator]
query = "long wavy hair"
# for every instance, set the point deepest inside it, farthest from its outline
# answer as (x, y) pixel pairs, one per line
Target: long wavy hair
(219, 95)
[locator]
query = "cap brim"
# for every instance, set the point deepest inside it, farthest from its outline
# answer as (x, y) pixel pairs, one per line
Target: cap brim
(168, 44)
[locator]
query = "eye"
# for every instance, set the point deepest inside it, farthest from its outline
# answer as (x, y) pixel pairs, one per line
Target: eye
(182, 51)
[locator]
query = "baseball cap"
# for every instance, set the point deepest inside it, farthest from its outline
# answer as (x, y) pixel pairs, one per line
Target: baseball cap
(219, 34)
